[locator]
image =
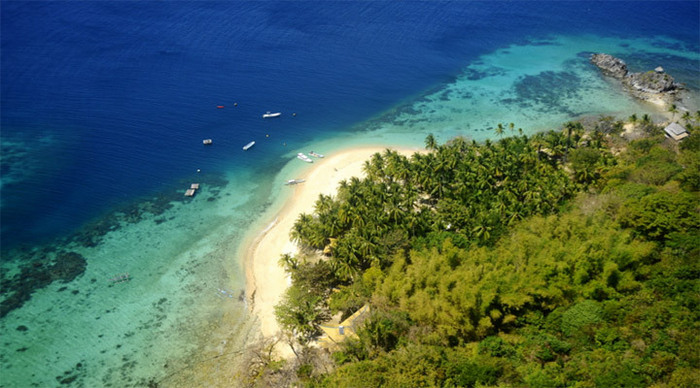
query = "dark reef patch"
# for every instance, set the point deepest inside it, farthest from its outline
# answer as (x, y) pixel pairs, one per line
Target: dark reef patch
(474, 74)
(91, 233)
(37, 274)
(547, 90)
(38, 267)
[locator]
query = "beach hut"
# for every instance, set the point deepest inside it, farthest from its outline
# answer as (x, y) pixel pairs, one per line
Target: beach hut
(335, 333)
(676, 132)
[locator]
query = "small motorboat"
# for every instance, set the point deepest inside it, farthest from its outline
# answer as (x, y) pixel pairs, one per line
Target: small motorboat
(270, 115)
(247, 146)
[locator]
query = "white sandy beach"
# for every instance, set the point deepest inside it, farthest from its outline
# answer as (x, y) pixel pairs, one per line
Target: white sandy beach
(266, 279)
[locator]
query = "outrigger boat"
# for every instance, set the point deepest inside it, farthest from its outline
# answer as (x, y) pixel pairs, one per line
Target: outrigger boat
(120, 278)
(294, 181)
(225, 293)
(316, 154)
(305, 158)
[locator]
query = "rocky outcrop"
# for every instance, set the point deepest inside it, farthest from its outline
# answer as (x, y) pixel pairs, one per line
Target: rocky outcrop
(651, 82)
(654, 85)
(610, 65)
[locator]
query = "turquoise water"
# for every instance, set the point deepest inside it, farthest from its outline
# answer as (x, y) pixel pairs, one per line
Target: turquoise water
(535, 86)
(172, 316)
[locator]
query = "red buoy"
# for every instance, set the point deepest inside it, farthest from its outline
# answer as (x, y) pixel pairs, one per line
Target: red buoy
(220, 106)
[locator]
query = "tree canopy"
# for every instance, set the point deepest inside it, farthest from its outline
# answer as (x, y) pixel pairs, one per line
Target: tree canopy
(530, 261)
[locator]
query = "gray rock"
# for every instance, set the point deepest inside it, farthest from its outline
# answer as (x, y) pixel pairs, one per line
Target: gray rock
(610, 65)
(652, 84)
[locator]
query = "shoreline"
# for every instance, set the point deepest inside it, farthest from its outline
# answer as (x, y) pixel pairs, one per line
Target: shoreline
(266, 280)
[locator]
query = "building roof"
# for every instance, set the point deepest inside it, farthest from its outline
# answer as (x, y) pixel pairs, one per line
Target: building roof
(676, 131)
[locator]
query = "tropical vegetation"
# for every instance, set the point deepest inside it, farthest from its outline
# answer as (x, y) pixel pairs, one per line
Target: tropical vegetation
(567, 258)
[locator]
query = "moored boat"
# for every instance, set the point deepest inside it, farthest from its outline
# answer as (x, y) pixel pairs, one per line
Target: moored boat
(247, 146)
(294, 181)
(305, 158)
(270, 115)
(316, 154)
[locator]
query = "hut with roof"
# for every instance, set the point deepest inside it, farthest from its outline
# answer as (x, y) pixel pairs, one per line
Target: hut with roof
(334, 333)
(676, 132)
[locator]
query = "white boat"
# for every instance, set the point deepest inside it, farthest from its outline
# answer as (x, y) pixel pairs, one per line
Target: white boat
(270, 115)
(294, 181)
(247, 146)
(316, 154)
(303, 157)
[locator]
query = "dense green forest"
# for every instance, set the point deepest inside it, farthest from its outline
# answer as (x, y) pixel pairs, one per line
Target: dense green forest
(564, 259)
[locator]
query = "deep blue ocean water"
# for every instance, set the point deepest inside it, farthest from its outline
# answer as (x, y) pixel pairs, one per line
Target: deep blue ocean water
(104, 106)
(106, 101)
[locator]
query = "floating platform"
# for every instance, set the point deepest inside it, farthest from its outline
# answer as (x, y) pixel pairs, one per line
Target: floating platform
(192, 190)
(207, 141)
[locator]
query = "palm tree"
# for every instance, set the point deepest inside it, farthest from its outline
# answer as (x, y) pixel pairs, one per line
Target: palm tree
(430, 142)
(686, 117)
(673, 109)
(633, 118)
(570, 126)
(289, 262)
(482, 231)
(499, 129)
